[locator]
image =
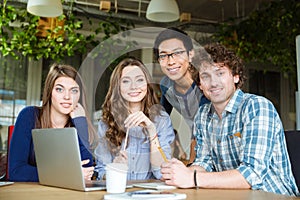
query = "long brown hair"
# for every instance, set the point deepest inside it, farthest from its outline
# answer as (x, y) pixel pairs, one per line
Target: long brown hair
(56, 71)
(115, 108)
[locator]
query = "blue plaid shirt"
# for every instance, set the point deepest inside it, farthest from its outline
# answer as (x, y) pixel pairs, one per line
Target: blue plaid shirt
(249, 138)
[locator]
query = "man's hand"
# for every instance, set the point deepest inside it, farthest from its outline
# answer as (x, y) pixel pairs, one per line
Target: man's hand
(174, 172)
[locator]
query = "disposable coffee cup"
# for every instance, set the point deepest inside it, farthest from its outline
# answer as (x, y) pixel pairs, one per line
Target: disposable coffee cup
(116, 177)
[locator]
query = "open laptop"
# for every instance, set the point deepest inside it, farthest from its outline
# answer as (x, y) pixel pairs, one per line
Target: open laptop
(58, 160)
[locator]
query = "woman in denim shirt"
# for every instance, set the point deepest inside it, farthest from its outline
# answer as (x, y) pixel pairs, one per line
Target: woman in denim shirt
(132, 108)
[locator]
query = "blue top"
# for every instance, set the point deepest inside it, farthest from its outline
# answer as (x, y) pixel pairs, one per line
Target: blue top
(22, 165)
(186, 104)
(138, 149)
(249, 138)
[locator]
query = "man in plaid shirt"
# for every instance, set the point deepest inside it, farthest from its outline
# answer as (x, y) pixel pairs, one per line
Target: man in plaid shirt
(240, 137)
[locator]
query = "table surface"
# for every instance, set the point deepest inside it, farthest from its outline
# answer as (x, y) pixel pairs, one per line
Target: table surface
(35, 191)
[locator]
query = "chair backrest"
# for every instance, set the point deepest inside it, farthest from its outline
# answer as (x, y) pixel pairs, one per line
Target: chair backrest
(293, 146)
(9, 135)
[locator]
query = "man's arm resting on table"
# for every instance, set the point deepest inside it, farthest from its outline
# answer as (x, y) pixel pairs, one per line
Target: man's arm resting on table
(225, 179)
(174, 172)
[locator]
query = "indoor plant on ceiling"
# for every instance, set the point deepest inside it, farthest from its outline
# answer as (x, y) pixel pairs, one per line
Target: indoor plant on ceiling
(21, 33)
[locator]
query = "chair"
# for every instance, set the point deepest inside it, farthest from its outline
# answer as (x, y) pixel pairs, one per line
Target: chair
(293, 146)
(9, 135)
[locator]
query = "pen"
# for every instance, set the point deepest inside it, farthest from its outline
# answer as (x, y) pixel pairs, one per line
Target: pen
(162, 154)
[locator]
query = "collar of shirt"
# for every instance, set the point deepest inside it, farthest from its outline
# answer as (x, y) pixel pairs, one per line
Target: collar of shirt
(232, 106)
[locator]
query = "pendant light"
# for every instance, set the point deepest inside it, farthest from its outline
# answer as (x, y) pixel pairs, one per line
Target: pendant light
(162, 11)
(45, 8)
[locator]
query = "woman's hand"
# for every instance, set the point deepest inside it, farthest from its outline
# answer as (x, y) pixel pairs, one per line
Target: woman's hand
(140, 119)
(87, 171)
(78, 111)
(121, 157)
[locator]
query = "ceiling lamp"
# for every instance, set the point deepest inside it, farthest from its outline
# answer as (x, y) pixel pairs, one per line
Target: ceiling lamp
(45, 8)
(162, 11)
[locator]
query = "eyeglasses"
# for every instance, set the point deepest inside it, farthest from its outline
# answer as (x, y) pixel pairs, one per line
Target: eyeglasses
(175, 55)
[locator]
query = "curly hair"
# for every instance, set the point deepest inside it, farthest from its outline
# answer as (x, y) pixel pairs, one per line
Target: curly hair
(217, 53)
(115, 108)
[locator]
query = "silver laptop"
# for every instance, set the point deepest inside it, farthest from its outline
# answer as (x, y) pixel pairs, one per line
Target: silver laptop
(58, 160)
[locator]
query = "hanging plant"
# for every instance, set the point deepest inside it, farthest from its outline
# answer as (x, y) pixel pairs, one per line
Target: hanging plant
(23, 34)
(267, 35)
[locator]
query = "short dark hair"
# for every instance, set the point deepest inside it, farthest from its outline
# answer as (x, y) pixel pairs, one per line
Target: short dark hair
(171, 33)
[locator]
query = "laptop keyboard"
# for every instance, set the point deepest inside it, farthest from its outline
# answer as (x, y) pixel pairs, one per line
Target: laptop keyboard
(95, 184)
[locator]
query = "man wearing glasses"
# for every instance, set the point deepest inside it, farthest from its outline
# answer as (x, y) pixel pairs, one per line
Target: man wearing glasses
(174, 51)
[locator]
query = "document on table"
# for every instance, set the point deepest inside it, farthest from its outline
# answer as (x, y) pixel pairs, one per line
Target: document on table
(4, 183)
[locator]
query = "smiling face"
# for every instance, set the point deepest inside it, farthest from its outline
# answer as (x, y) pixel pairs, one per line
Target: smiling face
(217, 84)
(65, 95)
(133, 85)
(175, 59)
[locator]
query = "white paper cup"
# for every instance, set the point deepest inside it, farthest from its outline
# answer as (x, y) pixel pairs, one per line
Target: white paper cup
(116, 177)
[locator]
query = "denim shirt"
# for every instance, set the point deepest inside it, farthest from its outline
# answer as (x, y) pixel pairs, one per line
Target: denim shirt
(138, 149)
